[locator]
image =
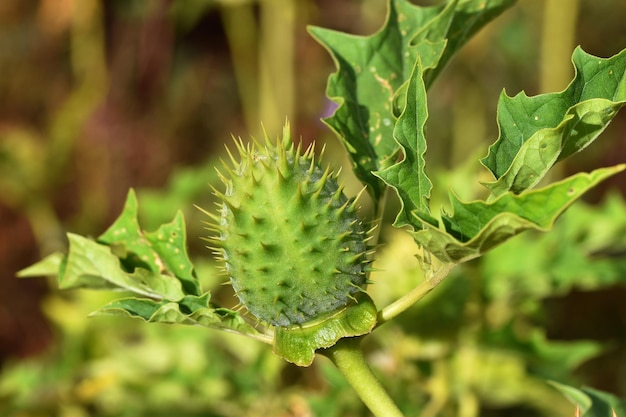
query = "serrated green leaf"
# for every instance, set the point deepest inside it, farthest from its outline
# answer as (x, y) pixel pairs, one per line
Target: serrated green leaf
(93, 265)
(370, 71)
(190, 310)
(153, 264)
(373, 69)
(468, 18)
(476, 227)
(163, 251)
(536, 132)
(408, 177)
(150, 264)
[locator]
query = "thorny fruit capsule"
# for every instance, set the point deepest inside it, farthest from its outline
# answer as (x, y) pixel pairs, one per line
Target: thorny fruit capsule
(291, 241)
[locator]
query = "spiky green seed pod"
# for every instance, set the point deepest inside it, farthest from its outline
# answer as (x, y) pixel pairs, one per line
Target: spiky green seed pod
(293, 245)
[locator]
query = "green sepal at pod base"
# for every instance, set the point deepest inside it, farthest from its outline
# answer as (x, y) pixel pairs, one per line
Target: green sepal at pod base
(290, 239)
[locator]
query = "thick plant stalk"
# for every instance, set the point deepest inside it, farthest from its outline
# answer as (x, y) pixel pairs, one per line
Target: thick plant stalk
(347, 355)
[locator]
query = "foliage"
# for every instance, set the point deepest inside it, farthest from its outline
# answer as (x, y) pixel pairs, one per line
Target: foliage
(474, 341)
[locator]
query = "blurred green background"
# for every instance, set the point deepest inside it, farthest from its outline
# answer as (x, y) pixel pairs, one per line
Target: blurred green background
(99, 96)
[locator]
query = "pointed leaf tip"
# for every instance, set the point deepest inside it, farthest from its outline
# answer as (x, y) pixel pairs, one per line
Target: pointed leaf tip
(408, 177)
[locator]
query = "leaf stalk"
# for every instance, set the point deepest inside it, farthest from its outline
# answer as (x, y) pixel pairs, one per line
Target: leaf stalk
(416, 294)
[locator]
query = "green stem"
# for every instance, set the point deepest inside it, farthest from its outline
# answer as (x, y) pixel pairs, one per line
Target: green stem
(347, 355)
(415, 294)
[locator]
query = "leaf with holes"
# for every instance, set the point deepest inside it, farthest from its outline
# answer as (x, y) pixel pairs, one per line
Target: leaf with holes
(152, 265)
(371, 71)
(163, 251)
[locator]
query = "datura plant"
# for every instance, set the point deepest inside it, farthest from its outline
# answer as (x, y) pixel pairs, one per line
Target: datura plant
(292, 243)
(293, 247)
